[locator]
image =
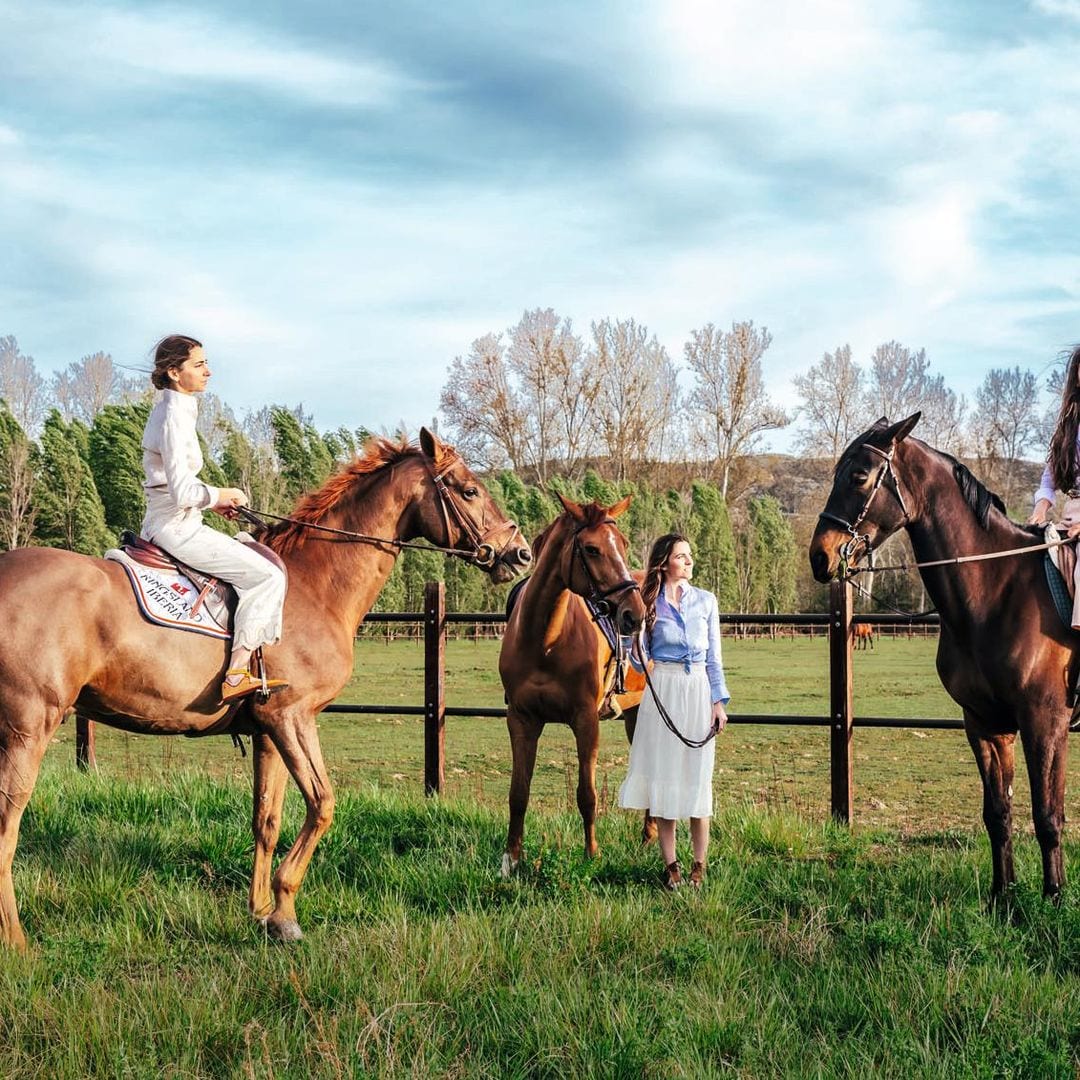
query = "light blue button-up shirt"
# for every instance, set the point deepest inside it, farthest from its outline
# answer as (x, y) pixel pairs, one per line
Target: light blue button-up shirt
(689, 634)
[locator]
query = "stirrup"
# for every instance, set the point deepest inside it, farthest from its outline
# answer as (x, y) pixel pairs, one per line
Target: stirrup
(249, 684)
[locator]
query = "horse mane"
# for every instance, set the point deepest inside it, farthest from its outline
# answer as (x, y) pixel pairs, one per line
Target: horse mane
(313, 508)
(976, 494)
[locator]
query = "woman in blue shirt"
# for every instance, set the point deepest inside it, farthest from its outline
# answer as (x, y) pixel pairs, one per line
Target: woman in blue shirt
(682, 638)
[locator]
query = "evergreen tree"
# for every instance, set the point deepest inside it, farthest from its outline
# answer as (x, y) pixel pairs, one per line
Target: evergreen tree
(306, 460)
(70, 513)
(775, 555)
(116, 460)
(713, 544)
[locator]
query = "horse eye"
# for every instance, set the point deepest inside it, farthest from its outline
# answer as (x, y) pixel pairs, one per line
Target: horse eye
(592, 549)
(471, 492)
(860, 476)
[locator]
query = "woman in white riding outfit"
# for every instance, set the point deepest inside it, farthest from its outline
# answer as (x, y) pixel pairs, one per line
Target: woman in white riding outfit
(1062, 472)
(682, 638)
(176, 499)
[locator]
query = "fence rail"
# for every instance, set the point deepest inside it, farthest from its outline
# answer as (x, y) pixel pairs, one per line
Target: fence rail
(839, 621)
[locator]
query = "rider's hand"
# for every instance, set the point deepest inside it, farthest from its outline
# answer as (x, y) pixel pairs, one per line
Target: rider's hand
(228, 501)
(719, 716)
(1041, 512)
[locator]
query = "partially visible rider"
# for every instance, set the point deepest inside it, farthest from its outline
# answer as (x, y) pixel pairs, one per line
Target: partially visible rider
(176, 499)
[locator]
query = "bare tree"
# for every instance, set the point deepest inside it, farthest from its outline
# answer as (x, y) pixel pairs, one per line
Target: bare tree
(17, 477)
(86, 386)
(1005, 423)
(484, 414)
(539, 345)
(896, 383)
(638, 393)
(22, 387)
(729, 391)
(831, 396)
(943, 413)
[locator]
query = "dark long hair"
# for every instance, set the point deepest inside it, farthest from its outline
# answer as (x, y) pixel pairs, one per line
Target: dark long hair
(1062, 457)
(654, 573)
(171, 352)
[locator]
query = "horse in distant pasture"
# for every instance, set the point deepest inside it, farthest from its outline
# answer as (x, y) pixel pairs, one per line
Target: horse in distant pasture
(73, 636)
(1004, 654)
(555, 663)
(863, 634)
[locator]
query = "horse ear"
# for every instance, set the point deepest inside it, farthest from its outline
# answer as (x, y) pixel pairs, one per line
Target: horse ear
(620, 507)
(571, 507)
(900, 431)
(429, 443)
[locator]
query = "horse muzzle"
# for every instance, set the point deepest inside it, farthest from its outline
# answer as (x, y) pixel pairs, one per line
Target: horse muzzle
(506, 565)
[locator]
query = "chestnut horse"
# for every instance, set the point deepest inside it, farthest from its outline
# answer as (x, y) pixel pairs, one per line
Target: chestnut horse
(554, 661)
(74, 637)
(1004, 655)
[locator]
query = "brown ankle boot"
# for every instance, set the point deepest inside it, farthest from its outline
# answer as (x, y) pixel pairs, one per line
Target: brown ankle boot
(672, 876)
(697, 874)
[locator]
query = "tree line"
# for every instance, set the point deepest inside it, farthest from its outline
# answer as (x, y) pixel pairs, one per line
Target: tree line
(540, 410)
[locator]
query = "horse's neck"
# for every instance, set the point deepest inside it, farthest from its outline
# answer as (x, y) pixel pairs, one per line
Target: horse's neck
(546, 602)
(943, 526)
(345, 576)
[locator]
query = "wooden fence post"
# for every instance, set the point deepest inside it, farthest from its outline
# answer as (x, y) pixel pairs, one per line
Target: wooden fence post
(840, 701)
(434, 686)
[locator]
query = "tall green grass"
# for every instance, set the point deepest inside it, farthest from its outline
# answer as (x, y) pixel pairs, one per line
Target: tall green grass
(812, 951)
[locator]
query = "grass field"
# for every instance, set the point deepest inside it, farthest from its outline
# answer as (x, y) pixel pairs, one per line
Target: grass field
(812, 951)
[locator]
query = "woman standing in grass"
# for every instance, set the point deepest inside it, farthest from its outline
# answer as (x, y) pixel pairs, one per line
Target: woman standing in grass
(682, 638)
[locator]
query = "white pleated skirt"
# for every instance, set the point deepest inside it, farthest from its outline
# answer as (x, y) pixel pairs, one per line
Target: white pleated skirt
(665, 777)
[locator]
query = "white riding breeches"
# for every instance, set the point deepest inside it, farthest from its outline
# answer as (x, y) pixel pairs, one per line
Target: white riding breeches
(259, 584)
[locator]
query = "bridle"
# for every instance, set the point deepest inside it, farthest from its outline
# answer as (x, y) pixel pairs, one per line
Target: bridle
(599, 600)
(485, 554)
(886, 472)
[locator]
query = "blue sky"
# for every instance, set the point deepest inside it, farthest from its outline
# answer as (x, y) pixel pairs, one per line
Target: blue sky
(338, 198)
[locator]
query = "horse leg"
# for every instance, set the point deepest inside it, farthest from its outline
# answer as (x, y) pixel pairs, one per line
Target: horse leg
(587, 734)
(271, 776)
(995, 757)
(523, 742)
(1046, 757)
(298, 744)
(21, 751)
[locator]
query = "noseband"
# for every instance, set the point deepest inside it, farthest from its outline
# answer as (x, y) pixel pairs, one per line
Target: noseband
(599, 600)
(850, 546)
(485, 554)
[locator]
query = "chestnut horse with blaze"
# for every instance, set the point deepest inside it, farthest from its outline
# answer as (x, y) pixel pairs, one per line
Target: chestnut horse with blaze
(1004, 654)
(73, 637)
(555, 663)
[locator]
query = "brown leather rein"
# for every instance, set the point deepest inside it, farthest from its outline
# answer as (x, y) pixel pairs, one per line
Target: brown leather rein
(483, 555)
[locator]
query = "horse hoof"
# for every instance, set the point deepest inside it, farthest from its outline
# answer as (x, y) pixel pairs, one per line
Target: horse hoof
(508, 866)
(286, 930)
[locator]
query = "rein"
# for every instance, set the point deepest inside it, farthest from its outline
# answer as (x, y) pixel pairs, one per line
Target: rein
(693, 744)
(484, 554)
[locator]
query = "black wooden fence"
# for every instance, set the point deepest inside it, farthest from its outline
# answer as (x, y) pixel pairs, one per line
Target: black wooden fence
(839, 622)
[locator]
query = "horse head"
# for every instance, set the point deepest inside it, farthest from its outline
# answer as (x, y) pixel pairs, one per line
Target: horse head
(866, 504)
(458, 511)
(593, 563)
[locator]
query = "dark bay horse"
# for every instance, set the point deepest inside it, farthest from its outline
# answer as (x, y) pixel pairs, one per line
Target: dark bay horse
(1004, 654)
(554, 661)
(74, 637)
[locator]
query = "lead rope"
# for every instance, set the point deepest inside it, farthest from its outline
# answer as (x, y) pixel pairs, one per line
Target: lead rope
(694, 744)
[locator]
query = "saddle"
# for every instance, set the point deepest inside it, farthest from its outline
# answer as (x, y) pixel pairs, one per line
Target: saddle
(171, 593)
